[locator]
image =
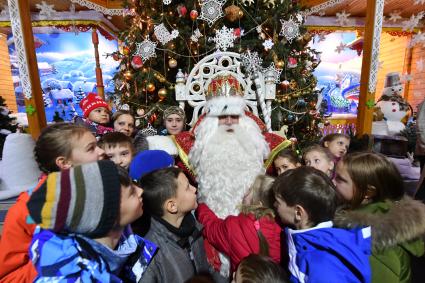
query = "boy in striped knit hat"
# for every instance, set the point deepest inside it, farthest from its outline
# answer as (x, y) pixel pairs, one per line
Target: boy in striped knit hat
(84, 234)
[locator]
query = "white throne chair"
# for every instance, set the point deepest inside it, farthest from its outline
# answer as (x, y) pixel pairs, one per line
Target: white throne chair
(193, 89)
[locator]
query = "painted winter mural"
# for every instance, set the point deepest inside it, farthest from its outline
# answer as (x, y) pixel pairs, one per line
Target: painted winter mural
(338, 73)
(66, 66)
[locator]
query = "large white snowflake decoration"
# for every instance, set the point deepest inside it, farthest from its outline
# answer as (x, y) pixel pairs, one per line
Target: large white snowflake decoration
(412, 22)
(273, 70)
(163, 35)
(211, 10)
(224, 38)
(417, 39)
(290, 29)
(166, 2)
(395, 16)
(46, 11)
(196, 35)
(419, 2)
(145, 49)
(340, 47)
(342, 19)
(268, 44)
(251, 61)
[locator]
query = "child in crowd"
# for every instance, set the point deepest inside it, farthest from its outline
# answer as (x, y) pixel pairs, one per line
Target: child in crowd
(96, 114)
(372, 188)
(118, 147)
(84, 234)
(320, 158)
(59, 146)
(286, 159)
(174, 120)
(169, 199)
(306, 200)
(337, 144)
(123, 122)
(259, 269)
(254, 230)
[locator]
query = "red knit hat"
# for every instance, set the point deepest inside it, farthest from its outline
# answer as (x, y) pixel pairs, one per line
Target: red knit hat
(91, 102)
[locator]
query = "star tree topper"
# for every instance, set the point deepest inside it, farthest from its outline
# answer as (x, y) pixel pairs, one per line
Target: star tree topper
(145, 49)
(224, 38)
(211, 10)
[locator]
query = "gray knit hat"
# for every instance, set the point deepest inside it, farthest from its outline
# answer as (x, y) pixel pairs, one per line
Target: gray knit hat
(82, 200)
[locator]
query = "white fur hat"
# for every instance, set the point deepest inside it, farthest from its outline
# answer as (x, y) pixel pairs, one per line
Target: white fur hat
(225, 105)
(18, 169)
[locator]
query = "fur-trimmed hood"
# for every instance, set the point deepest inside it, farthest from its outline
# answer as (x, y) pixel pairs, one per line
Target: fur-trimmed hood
(392, 223)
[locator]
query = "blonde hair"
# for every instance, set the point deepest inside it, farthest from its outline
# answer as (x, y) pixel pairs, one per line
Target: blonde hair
(261, 206)
(318, 148)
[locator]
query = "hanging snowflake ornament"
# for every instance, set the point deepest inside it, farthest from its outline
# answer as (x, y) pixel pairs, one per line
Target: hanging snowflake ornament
(394, 16)
(4, 11)
(211, 10)
(145, 49)
(321, 37)
(420, 65)
(166, 2)
(274, 72)
(196, 35)
(46, 11)
(417, 39)
(406, 78)
(224, 38)
(342, 19)
(419, 2)
(410, 24)
(341, 47)
(268, 44)
(163, 35)
(251, 61)
(290, 29)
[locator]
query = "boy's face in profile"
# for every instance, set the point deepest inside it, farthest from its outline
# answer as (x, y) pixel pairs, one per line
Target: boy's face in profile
(285, 212)
(120, 154)
(131, 207)
(99, 115)
(186, 195)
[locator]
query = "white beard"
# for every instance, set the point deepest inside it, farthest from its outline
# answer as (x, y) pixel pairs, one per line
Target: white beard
(227, 164)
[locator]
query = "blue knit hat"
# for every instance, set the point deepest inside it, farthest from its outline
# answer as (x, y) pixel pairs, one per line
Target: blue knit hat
(149, 160)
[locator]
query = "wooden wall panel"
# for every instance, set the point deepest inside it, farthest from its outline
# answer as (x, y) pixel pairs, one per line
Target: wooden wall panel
(7, 90)
(392, 54)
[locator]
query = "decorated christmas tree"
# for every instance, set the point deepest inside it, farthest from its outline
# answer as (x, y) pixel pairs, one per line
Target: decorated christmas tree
(165, 36)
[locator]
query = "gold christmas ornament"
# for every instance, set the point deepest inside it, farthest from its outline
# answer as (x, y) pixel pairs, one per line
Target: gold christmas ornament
(150, 87)
(233, 13)
(162, 93)
(280, 64)
(140, 111)
(128, 75)
(292, 84)
(172, 63)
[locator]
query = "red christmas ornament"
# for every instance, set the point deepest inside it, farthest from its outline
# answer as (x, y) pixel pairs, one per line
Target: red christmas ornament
(292, 62)
(193, 15)
(182, 10)
(136, 62)
(153, 118)
(237, 32)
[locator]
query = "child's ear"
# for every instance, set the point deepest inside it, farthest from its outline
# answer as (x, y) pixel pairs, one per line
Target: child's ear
(63, 163)
(171, 206)
(298, 164)
(301, 216)
(326, 144)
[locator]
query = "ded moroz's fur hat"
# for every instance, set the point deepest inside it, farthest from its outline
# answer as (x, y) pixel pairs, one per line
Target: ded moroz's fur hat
(225, 105)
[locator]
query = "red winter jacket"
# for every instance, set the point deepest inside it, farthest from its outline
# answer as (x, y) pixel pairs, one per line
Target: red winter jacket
(236, 236)
(15, 264)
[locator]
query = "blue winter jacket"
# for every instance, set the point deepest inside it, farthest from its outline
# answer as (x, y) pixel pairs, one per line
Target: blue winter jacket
(327, 254)
(75, 258)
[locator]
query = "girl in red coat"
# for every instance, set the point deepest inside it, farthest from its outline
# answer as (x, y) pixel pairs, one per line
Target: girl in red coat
(254, 230)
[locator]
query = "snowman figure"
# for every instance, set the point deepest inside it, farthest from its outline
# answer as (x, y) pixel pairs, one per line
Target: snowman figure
(393, 106)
